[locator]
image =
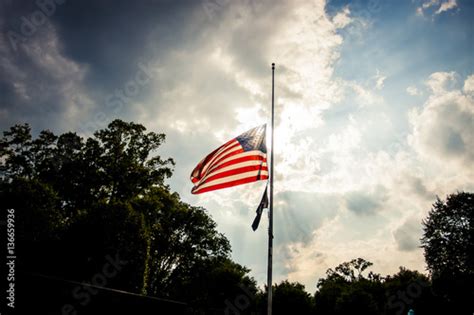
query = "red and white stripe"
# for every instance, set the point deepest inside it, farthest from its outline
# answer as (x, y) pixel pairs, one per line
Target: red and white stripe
(229, 165)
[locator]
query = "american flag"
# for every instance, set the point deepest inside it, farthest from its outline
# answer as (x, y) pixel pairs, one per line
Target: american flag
(239, 161)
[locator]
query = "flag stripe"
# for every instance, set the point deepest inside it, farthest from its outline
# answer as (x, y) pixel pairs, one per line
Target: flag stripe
(229, 183)
(226, 156)
(232, 178)
(239, 165)
(198, 170)
(231, 145)
(239, 161)
(238, 158)
(236, 171)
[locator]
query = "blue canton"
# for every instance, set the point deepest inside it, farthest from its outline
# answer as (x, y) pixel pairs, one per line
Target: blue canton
(254, 139)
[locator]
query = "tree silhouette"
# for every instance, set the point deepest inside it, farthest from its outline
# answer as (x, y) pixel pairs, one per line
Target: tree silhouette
(410, 289)
(448, 243)
(79, 201)
(346, 290)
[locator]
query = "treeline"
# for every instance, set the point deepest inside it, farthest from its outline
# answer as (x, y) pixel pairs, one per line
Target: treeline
(96, 213)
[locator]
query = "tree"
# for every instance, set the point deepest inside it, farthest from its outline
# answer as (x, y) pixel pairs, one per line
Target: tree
(345, 290)
(288, 298)
(409, 289)
(80, 200)
(218, 286)
(291, 297)
(448, 243)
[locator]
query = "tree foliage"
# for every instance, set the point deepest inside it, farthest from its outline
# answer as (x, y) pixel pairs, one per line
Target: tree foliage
(407, 290)
(448, 243)
(79, 199)
(291, 297)
(448, 235)
(346, 290)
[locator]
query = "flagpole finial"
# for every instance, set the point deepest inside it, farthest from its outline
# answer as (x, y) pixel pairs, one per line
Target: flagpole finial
(273, 65)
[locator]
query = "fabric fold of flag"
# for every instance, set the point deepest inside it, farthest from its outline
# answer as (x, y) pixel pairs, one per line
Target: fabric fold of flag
(239, 161)
(263, 205)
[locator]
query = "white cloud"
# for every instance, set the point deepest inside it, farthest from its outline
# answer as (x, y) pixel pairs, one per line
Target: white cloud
(413, 90)
(469, 84)
(236, 90)
(436, 7)
(366, 96)
(443, 129)
(446, 6)
(344, 238)
(380, 197)
(429, 3)
(379, 80)
(234, 95)
(342, 19)
(440, 82)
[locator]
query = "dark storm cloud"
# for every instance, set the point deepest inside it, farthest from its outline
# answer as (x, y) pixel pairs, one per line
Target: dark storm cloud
(39, 86)
(68, 57)
(103, 45)
(112, 36)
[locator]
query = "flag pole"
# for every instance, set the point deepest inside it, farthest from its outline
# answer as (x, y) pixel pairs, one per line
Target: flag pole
(270, 209)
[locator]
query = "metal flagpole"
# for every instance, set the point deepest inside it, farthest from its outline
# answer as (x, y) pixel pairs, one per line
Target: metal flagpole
(270, 209)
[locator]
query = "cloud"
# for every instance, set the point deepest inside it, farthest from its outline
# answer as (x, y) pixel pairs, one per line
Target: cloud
(393, 190)
(216, 84)
(439, 82)
(447, 5)
(469, 84)
(379, 80)
(362, 203)
(346, 237)
(416, 185)
(342, 18)
(408, 235)
(43, 84)
(301, 213)
(436, 7)
(413, 91)
(366, 96)
(443, 127)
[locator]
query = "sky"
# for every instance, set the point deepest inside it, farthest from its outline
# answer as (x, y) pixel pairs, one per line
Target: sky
(374, 108)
